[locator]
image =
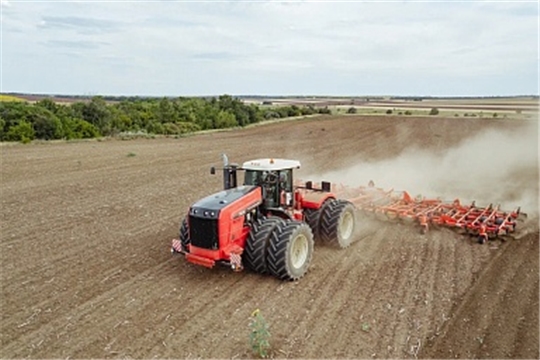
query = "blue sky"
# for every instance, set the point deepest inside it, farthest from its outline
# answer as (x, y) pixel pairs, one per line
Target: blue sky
(180, 48)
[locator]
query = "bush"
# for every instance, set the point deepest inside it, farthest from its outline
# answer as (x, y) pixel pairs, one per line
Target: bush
(47, 127)
(22, 132)
(389, 111)
(2, 125)
(408, 112)
(325, 110)
(79, 129)
(351, 110)
(434, 111)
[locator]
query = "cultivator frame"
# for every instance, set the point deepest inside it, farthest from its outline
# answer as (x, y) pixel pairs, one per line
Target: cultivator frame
(487, 222)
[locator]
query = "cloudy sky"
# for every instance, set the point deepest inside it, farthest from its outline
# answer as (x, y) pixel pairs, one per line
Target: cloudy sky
(181, 48)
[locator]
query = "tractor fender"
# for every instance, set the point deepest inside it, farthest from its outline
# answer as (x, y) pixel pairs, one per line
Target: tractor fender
(314, 200)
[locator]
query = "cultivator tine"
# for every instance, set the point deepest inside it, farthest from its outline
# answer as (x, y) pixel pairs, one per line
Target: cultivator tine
(489, 222)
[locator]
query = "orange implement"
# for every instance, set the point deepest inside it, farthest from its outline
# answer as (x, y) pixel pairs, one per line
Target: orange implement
(485, 222)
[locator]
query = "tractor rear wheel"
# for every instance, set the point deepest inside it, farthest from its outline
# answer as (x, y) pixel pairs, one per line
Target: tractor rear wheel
(257, 243)
(290, 252)
(313, 218)
(184, 235)
(338, 223)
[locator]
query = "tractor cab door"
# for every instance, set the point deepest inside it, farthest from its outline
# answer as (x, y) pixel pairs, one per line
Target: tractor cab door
(278, 189)
(286, 188)
(276, 186)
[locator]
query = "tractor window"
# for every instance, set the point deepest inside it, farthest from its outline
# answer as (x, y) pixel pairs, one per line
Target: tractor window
(252, 177)
(273, 184)
(285, 180)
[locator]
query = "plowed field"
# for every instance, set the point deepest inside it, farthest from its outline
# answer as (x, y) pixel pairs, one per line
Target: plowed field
(87, 273)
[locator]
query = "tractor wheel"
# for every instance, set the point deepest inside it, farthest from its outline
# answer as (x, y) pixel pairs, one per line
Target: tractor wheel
(313, 218)
(338, 223)
(257, 243)
(184, 235)
(290, 251)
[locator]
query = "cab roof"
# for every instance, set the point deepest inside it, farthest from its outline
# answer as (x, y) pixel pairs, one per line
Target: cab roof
(271, 164)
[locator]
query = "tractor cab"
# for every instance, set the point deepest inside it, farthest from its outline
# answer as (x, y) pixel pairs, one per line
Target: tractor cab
(275, 177)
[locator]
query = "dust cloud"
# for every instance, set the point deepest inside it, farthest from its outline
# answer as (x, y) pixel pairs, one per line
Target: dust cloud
(499, 167)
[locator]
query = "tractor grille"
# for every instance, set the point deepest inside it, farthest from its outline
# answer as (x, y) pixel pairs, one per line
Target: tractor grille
(203, 232)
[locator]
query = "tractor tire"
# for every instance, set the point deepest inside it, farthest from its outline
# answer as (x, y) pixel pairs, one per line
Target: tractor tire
(290, 251)
(256, 250)
(338, 223)
(313, 218)
(184, 235)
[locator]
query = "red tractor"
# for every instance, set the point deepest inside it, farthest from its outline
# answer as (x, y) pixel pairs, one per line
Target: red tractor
(268, 224)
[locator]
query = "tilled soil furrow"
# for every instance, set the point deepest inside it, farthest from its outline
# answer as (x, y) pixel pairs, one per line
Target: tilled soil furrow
(63, 335)
(527, 332)
(86, 268)
(320, 301)
(368, 273)
(521, 289)
(478, 313)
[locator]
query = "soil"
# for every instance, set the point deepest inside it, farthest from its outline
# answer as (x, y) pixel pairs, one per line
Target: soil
(87, 272)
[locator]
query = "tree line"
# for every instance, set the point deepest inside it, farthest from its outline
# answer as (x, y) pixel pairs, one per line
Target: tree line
(48, 120)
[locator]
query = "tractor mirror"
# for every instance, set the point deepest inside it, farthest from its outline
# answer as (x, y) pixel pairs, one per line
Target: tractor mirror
(213, 170)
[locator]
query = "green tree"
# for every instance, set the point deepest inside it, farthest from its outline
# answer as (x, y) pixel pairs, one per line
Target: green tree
(2, 126)
(166, 111)
(78, 129)
(225, 119)
(46, 125)
(97, 113)
(49, 105)
(23, 132)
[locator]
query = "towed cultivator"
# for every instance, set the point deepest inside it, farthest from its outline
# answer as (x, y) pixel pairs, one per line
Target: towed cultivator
(488, 222)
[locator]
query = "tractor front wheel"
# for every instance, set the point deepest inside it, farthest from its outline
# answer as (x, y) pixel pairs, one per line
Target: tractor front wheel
(256, 250)
(291, 251)
(184, 235)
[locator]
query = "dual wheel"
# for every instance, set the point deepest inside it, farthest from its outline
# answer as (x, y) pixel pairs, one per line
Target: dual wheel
(282, 248)
(333, 223)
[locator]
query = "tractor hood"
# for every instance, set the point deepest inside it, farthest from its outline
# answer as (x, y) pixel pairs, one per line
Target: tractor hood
(210, 206)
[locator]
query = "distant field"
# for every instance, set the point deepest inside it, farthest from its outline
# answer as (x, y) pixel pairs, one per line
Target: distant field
(367, 104)
(4, 97)
(524, 107)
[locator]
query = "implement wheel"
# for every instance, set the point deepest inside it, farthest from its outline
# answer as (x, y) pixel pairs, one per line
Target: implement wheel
(338, 222)
(256, 250)
(290, 252)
